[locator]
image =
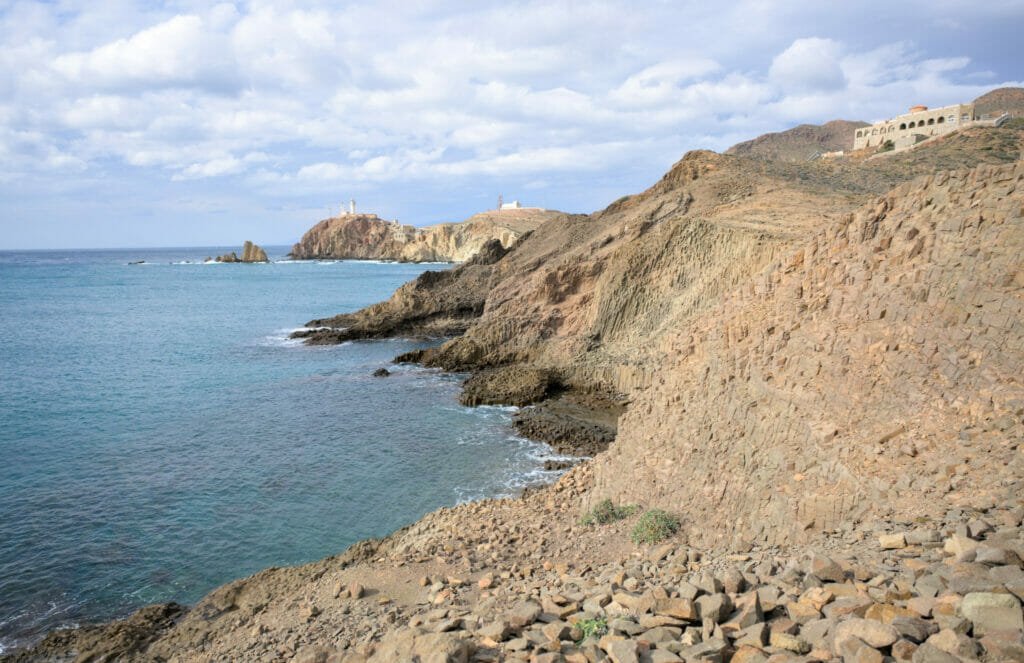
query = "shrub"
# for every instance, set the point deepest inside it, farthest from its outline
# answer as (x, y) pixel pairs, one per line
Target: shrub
(592, 627)
(654, 526)
(887, 146)
(606, 512)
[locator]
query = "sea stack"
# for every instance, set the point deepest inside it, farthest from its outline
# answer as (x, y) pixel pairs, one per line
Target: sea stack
(250, 253)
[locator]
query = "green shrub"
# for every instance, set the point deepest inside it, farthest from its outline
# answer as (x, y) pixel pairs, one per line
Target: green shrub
(592, 627)
(887, 146)
(606, 512)
(654, 526)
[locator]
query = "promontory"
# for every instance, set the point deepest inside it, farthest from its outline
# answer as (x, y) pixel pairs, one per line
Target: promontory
(353, 236)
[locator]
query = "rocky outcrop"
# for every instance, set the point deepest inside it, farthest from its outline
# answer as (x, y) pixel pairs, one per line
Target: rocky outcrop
(849, 378)
(367, 237)
(434, 304)
(250, 253)
(762, 325)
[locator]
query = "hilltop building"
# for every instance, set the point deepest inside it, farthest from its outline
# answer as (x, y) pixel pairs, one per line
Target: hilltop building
(515, 204)
(921, 123)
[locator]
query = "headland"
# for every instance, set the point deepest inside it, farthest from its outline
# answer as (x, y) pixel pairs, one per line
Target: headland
(819, 454)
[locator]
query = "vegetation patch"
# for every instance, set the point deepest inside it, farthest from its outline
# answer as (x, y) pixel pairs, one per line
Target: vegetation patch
(654, 526)
(606, 512)
(592, 627)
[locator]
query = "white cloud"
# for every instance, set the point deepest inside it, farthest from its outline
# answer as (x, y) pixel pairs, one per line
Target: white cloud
(176, 52)
(809, 65)
(283, 100)
(212, 168)
(661, 83)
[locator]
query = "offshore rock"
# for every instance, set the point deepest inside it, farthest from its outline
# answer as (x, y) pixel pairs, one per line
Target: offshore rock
(250, 253)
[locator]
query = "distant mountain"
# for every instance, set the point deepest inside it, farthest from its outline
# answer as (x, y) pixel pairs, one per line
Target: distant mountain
(800, 143)
(1004, 100)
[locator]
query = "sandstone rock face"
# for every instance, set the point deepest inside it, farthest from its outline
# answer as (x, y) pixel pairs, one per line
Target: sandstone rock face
(367, 237)
(253, 253)
(789, 404)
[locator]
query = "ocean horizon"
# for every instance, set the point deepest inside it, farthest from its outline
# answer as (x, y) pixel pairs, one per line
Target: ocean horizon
(161, 435)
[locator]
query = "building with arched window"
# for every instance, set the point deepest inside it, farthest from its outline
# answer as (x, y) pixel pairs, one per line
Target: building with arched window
(921, 123)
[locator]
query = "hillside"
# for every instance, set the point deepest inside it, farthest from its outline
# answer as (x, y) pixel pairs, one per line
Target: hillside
(800, 143)
(367, 237)
(1004, 100)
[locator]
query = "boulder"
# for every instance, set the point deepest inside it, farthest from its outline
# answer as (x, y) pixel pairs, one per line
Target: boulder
(992, 612)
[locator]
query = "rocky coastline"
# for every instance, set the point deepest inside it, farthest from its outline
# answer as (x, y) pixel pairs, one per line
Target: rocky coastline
(368, 237)
(811, 370)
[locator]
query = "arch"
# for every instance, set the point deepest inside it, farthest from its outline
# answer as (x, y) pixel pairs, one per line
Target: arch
(931, 121)
(912, 125)
(903, 125)
(859, 133)
(940, 120)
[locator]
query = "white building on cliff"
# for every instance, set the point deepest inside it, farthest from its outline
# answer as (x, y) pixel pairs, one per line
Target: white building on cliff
(921, 123)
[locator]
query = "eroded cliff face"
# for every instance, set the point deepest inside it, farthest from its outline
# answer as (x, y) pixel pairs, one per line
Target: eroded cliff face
(591, 297)
(367, 237)
(849, 378)
(796, 355)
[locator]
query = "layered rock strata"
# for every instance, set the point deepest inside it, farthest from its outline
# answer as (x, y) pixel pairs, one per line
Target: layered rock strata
(893, 338)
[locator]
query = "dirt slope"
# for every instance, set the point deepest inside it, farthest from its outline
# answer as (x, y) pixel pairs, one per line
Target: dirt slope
(1004, 100)
(800, 143)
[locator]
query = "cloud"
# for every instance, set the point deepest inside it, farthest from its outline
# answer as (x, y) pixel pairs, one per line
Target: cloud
(809, 65)
(212, 168)
(293, 101)
(660, 84)
(176, 52)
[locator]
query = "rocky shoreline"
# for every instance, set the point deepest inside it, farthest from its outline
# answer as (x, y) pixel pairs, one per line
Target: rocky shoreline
(817, 381)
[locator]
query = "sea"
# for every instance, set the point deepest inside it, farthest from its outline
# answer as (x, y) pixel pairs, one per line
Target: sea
(161, 435)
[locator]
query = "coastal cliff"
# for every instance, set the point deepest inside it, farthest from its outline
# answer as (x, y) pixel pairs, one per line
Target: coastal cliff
(367, 237)
(819, 368)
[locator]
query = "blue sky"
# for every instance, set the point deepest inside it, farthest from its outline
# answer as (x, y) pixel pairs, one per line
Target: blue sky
(188, 123)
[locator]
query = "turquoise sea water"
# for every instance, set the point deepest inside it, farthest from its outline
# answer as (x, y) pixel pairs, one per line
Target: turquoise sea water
(159, 435)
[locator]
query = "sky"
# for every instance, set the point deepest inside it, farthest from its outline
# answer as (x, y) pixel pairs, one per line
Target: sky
(138, 124)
